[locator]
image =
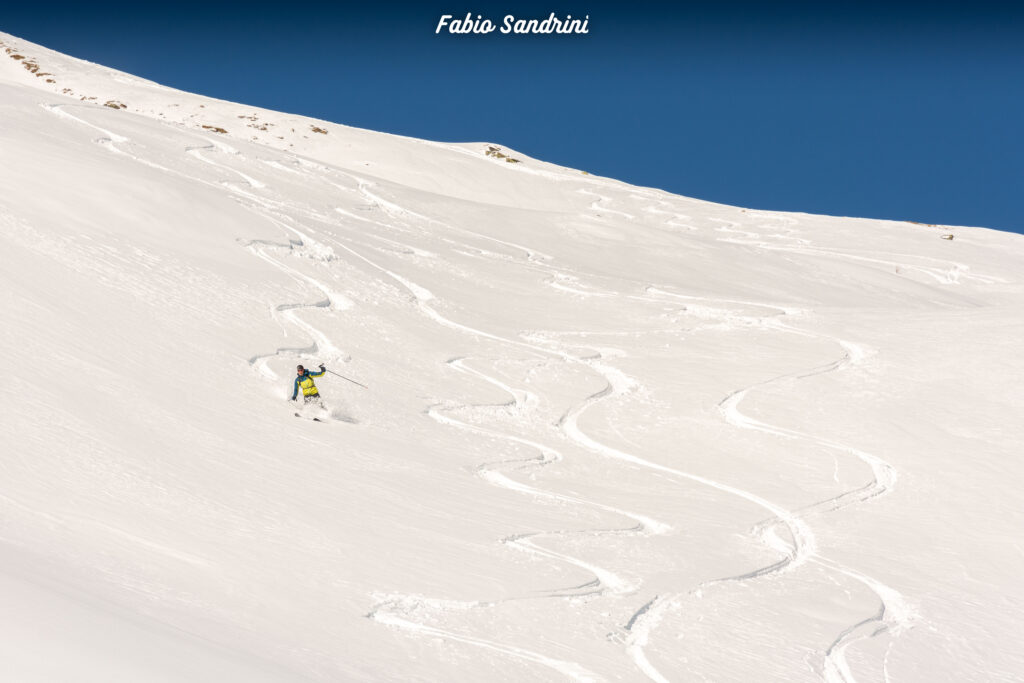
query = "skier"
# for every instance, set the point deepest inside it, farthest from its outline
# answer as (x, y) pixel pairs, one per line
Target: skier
(304, 379)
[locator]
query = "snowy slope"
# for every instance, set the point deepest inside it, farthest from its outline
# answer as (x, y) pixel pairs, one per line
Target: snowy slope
(610, 433)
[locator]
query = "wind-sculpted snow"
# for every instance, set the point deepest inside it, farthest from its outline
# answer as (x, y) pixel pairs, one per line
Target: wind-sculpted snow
(600, 432)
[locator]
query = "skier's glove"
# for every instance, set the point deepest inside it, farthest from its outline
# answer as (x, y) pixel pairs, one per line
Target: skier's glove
(323, 367)
(293, 398)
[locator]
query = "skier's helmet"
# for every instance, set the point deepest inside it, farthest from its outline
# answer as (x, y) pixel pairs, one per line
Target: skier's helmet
(299, 369)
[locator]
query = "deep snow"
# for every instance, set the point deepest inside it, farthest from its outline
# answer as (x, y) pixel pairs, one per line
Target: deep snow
(610, 433)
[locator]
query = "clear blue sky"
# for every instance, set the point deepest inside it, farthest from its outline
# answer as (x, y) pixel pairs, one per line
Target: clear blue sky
(890, 110)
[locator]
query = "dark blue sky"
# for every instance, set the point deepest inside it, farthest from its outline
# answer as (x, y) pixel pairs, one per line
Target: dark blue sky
(888, 110)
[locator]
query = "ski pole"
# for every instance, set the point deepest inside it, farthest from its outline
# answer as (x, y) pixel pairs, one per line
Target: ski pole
(346, 378)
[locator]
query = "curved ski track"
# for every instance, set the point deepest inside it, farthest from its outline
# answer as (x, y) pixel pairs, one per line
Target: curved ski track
(893, 614)
(391, 612)
(950, 274)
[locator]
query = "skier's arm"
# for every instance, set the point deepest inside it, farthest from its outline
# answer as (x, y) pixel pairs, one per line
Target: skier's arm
(317, 374)
(295, 391)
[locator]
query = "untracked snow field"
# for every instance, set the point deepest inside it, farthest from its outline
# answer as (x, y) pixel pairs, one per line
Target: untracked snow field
(609, 433)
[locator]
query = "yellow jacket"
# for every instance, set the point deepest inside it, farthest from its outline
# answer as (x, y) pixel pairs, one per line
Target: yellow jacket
(305, 380)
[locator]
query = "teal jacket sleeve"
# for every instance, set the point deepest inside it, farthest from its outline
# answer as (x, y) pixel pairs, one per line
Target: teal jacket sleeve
(295, 391)
(315, 374)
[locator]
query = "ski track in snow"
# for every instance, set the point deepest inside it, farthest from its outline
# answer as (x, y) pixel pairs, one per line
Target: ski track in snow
(674, 216)
(605, 581)
(893, 615)
(800, 550)
(197, 153)
(602, 199)
(492, 473)
(802, 545)
(322, 345)
(387, 612)
(950, 273)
